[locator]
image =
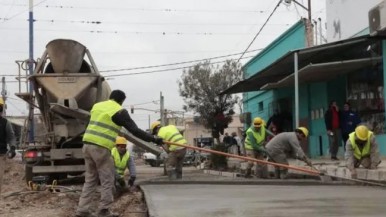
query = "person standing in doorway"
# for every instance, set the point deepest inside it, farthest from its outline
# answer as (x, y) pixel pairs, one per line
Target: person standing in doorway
(331, 119)
(349, 120)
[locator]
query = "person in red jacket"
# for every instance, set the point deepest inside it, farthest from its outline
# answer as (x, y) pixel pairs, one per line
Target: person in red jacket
(331, 119)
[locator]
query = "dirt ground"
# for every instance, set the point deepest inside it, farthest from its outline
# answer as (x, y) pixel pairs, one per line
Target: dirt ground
(18, 201)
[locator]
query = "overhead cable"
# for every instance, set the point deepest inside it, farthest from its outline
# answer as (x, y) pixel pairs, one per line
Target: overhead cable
(178, 63)
(261, 29)
(163, 70)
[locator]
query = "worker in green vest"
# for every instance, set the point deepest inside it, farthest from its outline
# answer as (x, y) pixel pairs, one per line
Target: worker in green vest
(361, 149)
(176, 154)
(105, 123)
(122, 160)
(254, 144)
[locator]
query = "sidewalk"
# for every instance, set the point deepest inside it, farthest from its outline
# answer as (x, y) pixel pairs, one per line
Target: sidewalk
(333, 168)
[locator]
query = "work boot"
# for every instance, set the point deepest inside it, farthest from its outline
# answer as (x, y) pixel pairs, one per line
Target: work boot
(261, 172)
(107, 213)
(283, 174)
(248, 174)
(277, 174)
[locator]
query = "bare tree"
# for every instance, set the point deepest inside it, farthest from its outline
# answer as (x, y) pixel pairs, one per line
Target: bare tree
(200, 87)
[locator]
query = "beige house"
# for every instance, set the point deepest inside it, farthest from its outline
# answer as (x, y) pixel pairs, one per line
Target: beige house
(196, 133)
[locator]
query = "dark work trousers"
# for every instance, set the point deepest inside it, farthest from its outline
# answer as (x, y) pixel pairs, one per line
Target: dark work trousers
(334, 142)
(344, 139)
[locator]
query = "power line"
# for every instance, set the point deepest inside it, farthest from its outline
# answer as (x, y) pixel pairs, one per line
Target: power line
(135, 32)
(10, 18)
(146, 9)
(178, 63)
(163, 70)
(261, 29)
(156, 66)
(94, 22)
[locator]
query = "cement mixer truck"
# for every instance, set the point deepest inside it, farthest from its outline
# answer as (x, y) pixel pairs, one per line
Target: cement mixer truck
(66, 84)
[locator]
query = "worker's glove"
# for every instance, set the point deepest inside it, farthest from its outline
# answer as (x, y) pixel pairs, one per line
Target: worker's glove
(262, 151)
(131, 181)
(308, 161)
(12, 152)
(158, 140)
(121, 182)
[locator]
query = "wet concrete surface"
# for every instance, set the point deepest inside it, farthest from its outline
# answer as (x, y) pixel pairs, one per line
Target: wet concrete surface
(264, 200)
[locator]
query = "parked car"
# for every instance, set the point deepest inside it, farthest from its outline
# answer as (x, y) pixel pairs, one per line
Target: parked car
(153, 160)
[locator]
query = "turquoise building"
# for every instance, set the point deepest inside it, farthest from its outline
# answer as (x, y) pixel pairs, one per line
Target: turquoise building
(348, 70)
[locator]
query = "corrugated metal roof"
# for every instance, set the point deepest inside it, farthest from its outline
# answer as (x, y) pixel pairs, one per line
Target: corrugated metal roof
(350, 49)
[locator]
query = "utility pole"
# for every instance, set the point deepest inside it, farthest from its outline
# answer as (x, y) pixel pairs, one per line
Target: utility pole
(309, 30)
(30, 68)
(162, 110)
(4, 94)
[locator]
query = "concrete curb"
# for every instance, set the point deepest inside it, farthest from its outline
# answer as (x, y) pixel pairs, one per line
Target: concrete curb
(329, 168)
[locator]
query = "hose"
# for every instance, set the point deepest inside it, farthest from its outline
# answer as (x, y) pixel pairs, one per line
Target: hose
(312, 171)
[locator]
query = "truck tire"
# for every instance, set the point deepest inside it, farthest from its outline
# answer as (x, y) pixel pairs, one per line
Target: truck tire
(28, 173)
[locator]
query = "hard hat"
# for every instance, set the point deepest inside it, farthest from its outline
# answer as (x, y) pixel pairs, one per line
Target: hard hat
(303, 130)
(154, 125)
(120, 140)
(362, 132)
(258, 121)
(1, 101)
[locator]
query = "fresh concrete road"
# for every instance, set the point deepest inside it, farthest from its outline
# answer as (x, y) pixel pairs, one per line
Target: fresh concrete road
(264, 200)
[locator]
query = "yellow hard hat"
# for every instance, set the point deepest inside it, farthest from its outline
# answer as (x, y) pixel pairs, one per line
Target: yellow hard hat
(362, 132)
(1, 101)
(258, 121)
(120, 140)
(154, 125)
(303, 130)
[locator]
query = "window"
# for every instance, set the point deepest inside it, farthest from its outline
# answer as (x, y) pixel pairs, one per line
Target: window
(261, 106)
(365, 94)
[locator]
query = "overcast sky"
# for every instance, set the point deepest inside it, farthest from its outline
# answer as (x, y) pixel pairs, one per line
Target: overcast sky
(127, 34)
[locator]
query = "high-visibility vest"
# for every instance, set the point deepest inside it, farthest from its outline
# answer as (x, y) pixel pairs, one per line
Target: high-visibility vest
(358, 154)
(259, 137)
(102, 130)
(170, 133)
(120, 163)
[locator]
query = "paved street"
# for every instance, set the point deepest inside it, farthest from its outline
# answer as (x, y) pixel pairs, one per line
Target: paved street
(263, 200)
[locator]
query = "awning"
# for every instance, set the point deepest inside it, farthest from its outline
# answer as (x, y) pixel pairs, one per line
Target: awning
(323, 72)
(339, 51)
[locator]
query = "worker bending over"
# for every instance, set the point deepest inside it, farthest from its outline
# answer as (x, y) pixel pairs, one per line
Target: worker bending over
(122, 160)
(254, 144)
(286, 145)
(176, 154)
(361, 149)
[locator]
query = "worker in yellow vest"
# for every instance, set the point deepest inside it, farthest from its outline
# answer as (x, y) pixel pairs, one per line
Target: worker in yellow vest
(122, 160)
(176, 154)
(361, 149)
(105, 123)
(254, 144)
